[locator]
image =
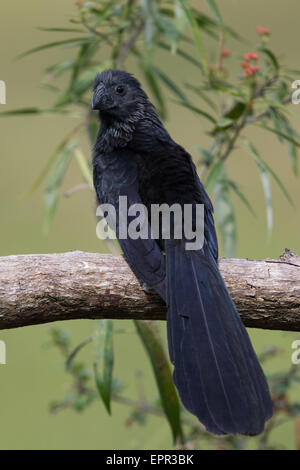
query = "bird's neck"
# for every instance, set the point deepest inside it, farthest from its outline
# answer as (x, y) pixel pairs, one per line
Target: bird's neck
(116, 132)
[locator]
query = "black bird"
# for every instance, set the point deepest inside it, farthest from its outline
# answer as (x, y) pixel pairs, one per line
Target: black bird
(216, 371)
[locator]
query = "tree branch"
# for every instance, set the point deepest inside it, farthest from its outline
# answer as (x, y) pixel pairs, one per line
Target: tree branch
(38, 289)
(127, 46)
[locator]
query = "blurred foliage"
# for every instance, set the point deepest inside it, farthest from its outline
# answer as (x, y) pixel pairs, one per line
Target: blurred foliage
(189, 432)
(228, 104)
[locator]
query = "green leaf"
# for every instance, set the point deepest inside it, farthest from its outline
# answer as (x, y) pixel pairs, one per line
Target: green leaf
(169, 83)
(169, 30)
(76, 350)
(148, 333)
(52, 159)
(207, 156)
(277, 120)
(196, 33)
(208, 26)
(292, 148)
(79, 86)
(215, 11)
(22, 111)
(34, 111)
(242, 197)
(271, 56)
(196, 110)
(58, 69)
(62, 30)
(84, 167)
(183, 54)
(225, 215)
(92, 127)
(213, 176)
(236, 111)
(265, 172)
(274, 103)
(201, 92)
(150, 14)
(265, 179)
(80, 61)
(179, 17)
(154, 87)
(278, 133)
(224, 123)
(54, 180)
(105, 360)
(73, 42)
(258, 158)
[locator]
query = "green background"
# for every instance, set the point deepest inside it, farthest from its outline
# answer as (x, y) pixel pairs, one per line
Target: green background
(34, 375)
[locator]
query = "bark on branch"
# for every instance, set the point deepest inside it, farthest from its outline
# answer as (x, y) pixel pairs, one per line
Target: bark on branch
(44, 288)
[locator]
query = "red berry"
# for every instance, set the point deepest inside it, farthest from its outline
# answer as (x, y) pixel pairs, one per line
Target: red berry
(262, 31)
(251, 56)
(225, 52)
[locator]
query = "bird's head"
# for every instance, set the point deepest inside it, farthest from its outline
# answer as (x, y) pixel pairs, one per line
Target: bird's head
(118, 95)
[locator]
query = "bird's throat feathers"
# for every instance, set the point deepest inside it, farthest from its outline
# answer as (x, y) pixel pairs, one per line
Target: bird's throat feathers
(118, 131)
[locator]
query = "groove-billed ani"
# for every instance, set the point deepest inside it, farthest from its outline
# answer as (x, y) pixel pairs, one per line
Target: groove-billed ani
(216, 371)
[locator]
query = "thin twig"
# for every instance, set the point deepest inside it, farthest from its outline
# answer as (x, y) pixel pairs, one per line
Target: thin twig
(259, 117)
(245, 120)
(144, 406)
(78, 187)
(95, 31)
(127, 46)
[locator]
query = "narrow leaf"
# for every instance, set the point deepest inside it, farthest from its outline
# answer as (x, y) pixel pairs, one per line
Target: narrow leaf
(213, 176)
(52, 159)
(277, 120)
(84, 167)
(196, 33)
(105, 360)
(169, 83)
(278, 133)
(224, 123)
(155, 88)
(22, 111)
(241, 196)
(236, 111)
(196, 110)
(74, 42)
(225, 215)
(271, 56)
(215, 11)
(54, 181)
(269, 170)
(292, 149)
(76, 350)
(148, 333)
(183, 54)
(62, 30)
(201, 92)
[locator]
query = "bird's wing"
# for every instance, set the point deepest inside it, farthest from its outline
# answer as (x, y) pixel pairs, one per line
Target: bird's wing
(120, 178)
(153, 139)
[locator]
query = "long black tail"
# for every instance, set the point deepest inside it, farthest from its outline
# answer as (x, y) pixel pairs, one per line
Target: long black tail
(216, 371)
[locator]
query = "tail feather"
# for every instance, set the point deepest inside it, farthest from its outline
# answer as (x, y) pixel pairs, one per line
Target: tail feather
(176, 326)
(215, 367)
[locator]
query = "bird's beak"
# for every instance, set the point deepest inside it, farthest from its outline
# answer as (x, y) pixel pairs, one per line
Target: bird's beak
(101, 100)
(96, 100)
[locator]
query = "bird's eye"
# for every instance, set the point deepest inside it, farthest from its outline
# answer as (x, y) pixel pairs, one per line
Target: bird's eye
(120, 89)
